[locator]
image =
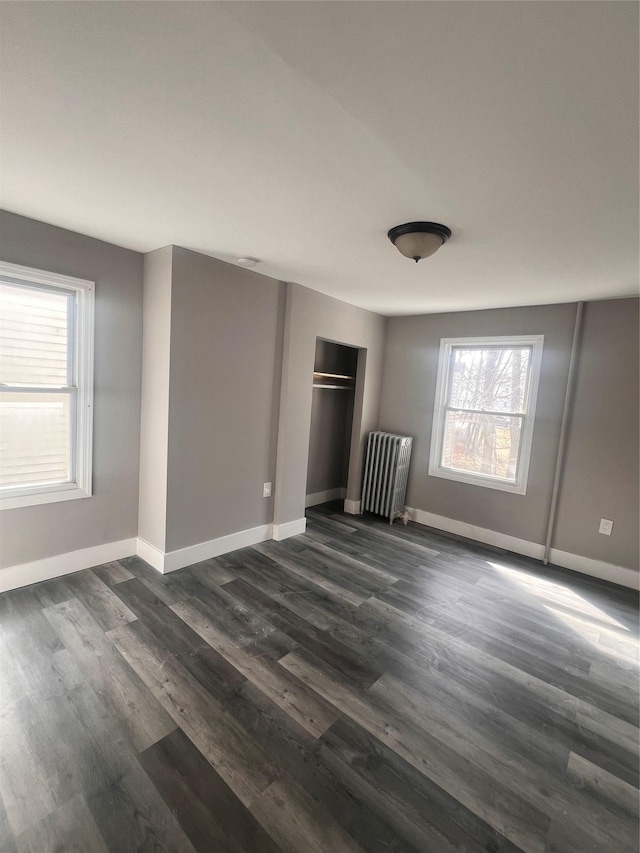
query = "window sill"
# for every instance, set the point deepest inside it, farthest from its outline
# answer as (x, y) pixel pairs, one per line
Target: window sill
(70, 492)
(486, 482)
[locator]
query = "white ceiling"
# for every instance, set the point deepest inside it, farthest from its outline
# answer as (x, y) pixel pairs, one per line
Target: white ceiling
(301, 132)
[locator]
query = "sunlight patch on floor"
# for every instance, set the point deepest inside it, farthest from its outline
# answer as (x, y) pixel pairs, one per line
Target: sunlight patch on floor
(554, 592)
(623, 649)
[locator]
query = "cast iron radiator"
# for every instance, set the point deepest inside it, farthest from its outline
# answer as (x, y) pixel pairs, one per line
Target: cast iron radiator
(386, 472)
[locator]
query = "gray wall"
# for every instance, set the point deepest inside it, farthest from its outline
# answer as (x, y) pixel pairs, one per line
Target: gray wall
(111, 514)
(311, 315)
(411, 362)
(329, 439)
(154, 423)
(601, 466)
(226, 358)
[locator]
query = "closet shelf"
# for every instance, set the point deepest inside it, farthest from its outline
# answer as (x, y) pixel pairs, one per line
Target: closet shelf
(336, 387)
(318, 375)
(335, 381)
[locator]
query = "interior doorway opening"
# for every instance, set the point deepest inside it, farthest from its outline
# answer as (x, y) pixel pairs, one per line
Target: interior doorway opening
(330, 436)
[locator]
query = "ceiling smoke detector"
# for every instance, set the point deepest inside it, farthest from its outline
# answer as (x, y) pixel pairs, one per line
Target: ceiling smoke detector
(248, 262)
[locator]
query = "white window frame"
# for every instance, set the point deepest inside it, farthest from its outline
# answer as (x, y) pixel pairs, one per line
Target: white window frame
(81, 353)
(436, 468)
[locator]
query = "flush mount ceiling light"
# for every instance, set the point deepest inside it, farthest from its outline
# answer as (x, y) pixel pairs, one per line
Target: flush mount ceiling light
(417, 240)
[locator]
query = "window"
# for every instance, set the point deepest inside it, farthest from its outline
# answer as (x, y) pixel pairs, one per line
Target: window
(46, 378)
(484, 410)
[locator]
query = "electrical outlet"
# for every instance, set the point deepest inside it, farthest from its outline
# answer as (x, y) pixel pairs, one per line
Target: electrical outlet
(266, 490)
(606, 526)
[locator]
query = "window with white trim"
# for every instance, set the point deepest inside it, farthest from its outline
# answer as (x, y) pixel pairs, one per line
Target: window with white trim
(46, 386)
(484, 410)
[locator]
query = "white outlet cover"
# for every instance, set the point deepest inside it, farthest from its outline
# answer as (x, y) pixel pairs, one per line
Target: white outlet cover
(606, 526)
(266, 490)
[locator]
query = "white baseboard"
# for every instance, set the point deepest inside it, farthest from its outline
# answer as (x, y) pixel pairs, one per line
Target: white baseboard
(174, 560)
(353, 507)
(584, 565)
(64, 564)
(478, 534)
(324, 497)
(289, 528)
(150, 554)
(596, 568)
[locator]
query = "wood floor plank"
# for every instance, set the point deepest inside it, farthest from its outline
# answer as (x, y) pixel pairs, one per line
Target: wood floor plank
(265, 575)
(241, 763)
(202, 661)
(391, 539)
(618, 676)
(24, 788)
(70, 827)
(522, 824)
(566, 837)
(351, 665)
(298, 822)
(418, 809)
(312, 569)
(566, 675)
(112, 573)
(132, 817)
(53, 591)
(311, 712)
(105, 670)
(331, 526)
(358, 568)
(531, 779)
(105, 607)
(521, 629)
(83, 752)
(7, 841)
(400, 643)
(213, 817)
(231, 615)
(362, 686)
(272, 647)
(459, 680)
(28, 641)
(160, 585)
(586, 698)
(620, 798)
(297, 754)
(211, 572)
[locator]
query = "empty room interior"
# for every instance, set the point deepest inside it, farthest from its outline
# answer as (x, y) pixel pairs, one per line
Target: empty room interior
(319, 427)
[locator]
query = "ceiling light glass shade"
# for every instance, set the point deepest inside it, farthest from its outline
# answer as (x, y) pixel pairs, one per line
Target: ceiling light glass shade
(418, 240)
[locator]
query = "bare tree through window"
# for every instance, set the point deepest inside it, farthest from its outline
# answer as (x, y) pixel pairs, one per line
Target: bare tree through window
(483, 408)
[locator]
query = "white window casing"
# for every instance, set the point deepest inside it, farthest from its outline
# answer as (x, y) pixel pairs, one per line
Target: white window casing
(525, 415)
(72, 382)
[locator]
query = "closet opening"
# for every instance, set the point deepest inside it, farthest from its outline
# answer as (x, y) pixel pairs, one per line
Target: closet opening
(334, 382)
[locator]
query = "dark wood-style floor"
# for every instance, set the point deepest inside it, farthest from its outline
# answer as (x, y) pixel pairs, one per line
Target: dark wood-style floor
(360, 687)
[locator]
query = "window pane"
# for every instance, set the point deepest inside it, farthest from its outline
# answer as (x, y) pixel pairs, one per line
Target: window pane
(33, 336)
(482, 444)
(34, 438)
(493, 379)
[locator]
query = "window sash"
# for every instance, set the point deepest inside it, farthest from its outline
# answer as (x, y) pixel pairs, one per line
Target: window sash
(71, 299)
(497, 412)
(71, 392)
(442, 407)
(449, 434)
(485, 348)
(79, 387)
